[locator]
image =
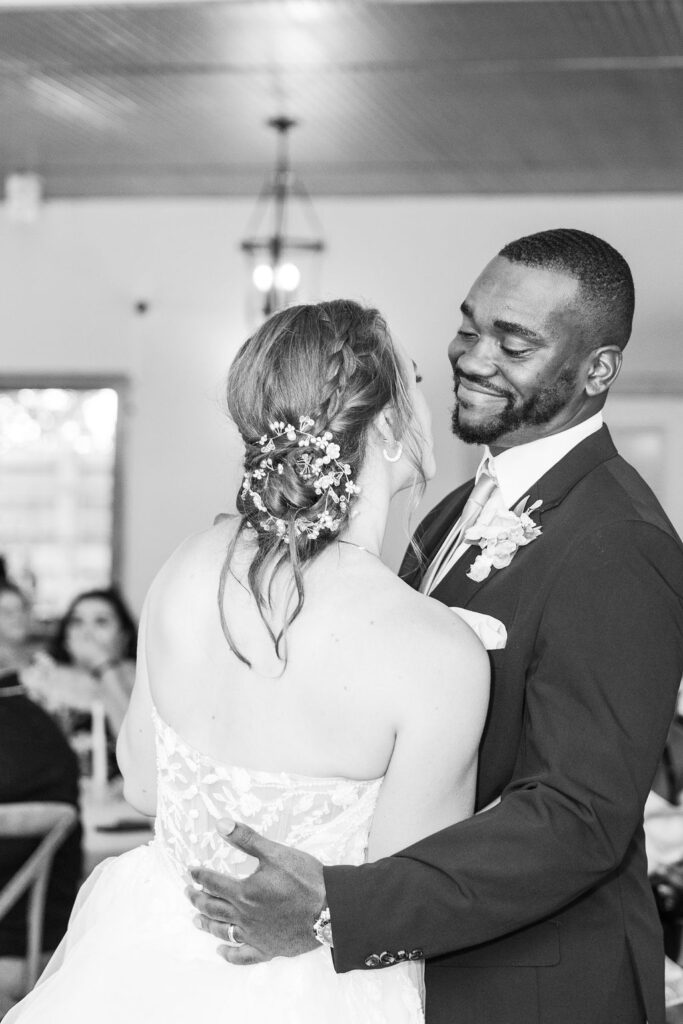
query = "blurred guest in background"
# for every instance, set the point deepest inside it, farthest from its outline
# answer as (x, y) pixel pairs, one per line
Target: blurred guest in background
(97, 638)
(16, 649)
(36, 764)
(90, 668)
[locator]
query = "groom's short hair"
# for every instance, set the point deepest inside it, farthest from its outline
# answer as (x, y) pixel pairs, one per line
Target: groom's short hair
(607, 292)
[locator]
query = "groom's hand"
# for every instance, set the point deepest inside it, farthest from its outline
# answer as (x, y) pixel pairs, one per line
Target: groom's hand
(272, 911)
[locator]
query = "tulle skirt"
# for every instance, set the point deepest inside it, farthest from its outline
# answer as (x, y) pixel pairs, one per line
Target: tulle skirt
(132, 954)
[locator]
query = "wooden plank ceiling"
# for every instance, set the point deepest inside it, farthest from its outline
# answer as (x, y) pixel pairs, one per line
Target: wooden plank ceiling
(486, 96)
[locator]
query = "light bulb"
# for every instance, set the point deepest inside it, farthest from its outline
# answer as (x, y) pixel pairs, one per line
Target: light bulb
(262, 277)
(287, 277)
(23, 197)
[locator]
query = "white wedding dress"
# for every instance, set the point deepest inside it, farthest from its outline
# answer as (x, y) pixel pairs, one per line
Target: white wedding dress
(132, 954)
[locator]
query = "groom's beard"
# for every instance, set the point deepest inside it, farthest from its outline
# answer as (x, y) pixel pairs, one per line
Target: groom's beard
(534, 411)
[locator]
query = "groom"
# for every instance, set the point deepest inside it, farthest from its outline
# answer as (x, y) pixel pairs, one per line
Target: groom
(537, 911)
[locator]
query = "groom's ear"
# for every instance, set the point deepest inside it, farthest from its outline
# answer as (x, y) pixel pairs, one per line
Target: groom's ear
(603, 370)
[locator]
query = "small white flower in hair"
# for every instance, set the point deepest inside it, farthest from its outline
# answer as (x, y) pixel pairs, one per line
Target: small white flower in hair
(325, 472)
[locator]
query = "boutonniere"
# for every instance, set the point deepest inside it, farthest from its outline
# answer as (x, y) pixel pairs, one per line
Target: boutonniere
(500, 538)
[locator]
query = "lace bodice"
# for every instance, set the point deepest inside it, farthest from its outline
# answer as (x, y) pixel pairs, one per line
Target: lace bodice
(131, 952)
(327, 817)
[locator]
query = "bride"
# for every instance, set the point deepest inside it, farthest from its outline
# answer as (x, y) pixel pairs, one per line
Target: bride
(286, 678)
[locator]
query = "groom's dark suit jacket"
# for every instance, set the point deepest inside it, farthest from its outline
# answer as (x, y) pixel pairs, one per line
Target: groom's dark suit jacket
(538, 911)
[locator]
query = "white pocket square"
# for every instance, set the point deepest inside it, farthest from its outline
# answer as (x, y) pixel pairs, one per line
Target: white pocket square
(490, 631)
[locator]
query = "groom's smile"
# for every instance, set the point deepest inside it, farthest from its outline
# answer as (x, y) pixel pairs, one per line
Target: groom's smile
(517, 356)
(469, 392)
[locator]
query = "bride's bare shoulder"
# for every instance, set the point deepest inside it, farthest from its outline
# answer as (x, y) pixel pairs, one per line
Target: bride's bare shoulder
(415, 632)
(197, 559)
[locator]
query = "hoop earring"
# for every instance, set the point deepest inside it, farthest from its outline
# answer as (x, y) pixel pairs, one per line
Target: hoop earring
(397, 456)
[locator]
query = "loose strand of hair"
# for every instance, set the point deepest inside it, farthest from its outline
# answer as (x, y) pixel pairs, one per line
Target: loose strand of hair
(225, 570)
(297, 573)
(417, 492)
(256, 576)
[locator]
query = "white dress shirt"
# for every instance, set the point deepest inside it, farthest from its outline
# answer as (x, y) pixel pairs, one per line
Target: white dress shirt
(517, 469)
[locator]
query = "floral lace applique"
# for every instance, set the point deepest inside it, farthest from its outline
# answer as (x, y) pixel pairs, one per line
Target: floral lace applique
(328, 817)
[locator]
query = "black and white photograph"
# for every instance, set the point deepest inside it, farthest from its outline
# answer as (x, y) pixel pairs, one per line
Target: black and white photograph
(341, 505)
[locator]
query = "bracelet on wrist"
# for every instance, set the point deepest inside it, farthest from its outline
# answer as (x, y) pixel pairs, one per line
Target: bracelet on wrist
(322, 928)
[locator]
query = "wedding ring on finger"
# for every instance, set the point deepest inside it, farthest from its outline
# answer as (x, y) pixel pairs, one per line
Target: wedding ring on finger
(231, 940)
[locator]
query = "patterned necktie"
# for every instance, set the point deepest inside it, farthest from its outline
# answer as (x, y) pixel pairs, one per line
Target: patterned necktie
(444, 559)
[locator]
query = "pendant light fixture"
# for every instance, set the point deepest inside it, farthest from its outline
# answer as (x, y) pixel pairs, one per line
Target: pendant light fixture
(284, 231)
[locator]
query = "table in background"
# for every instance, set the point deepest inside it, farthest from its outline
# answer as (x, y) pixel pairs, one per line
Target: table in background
(106, 806)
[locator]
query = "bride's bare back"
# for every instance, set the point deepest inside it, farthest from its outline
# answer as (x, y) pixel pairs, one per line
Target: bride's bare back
(378, 680)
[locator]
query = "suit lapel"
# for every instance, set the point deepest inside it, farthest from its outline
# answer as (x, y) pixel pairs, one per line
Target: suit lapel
(432, 533)
(456, 588)
(578, 463)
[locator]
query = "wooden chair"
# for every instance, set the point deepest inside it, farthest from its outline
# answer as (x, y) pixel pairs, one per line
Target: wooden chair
(52, 822)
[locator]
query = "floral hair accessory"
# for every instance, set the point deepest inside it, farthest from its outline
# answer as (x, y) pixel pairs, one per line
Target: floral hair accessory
(501, 538)
(318, 463)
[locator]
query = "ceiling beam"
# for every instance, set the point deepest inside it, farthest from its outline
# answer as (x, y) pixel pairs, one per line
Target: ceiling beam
(303, 9)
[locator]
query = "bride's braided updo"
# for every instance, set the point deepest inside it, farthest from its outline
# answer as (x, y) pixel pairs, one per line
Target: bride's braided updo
(326, 371)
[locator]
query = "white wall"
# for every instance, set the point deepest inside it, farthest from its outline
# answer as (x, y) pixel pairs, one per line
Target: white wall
(70, 282)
